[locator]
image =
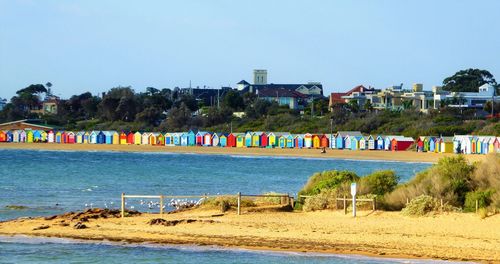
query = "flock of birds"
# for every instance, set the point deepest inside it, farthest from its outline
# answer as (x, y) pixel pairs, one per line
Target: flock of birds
(177, 204)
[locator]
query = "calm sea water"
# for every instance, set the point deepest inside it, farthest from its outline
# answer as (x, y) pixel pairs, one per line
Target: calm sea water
(51, 182)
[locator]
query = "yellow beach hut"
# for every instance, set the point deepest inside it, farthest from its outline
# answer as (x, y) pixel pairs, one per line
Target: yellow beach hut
(123, 138)
(79, 137)
(116, 138)
(43, 136)
(240, 139)
(29, 136)
(316, 141)
(272, 140)
(137, 138)
(86, 137)
(446, 145)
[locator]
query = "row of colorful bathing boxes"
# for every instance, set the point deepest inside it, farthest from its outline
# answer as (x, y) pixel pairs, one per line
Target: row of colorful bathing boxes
(350, 140)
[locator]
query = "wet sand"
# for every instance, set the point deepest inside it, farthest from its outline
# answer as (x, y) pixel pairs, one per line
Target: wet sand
(452, 236)
(408, 156)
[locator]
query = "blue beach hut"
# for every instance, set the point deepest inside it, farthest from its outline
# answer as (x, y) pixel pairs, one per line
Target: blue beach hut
(101, 138)
(176, 138)
(9, 136)
(299, 141)
(248, 139)
(289, 141)
(380, 142)
(191, 138)
(223, 140)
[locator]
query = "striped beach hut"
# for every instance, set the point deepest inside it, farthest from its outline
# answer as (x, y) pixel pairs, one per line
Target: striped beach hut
(333, 141)
(207, 139)
(355, 142)
(199, 137)
(372, 142)
(299, 141)
(363, 143)
(215, 140)
(176, 139)
(272, 140)
(185, 138)
(308, 140)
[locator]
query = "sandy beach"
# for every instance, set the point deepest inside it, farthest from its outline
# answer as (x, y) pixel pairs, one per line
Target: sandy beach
(409, 156)
(453, 236)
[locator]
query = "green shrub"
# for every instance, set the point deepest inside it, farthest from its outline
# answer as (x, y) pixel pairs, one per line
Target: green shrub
(379, 182)
(226, 202)
(324, 200)
(483, 213)
(421, 206)
(269, 200)
(483, 198)
(450, 179)
(327, 180)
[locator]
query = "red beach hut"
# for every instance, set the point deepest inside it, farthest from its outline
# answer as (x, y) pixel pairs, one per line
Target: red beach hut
(399, 144)
(130, 138)
(325, 143)
(70, 138)
(264, 140)
(3, 136)
(123, 138)
(231, 140)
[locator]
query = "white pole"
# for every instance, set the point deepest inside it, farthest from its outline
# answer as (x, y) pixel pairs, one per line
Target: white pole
(354, 205)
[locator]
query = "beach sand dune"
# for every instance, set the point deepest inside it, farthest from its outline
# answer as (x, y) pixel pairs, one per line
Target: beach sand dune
(409, 156)
(454, 236)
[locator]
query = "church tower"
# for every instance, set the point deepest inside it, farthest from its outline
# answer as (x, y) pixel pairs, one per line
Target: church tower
(259, 76)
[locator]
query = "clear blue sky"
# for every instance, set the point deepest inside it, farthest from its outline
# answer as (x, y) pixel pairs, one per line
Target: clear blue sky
(92, 46)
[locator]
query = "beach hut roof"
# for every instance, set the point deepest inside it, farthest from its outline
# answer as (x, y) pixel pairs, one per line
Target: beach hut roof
(447, 139)
(403, 139)
(349, 133)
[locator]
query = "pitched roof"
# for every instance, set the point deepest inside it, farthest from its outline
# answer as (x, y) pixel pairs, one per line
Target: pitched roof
(278, 92)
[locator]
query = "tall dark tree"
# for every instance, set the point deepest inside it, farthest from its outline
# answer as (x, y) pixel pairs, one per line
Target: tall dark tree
(468, 80)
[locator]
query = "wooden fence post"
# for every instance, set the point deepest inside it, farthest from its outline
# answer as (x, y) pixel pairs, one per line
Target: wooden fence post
(345, 205)
(123, 205)
(442, 206)
(291, 202)
(239, 203)
(374, 203)
(407, 200)
(477, 205)
(161, 205)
